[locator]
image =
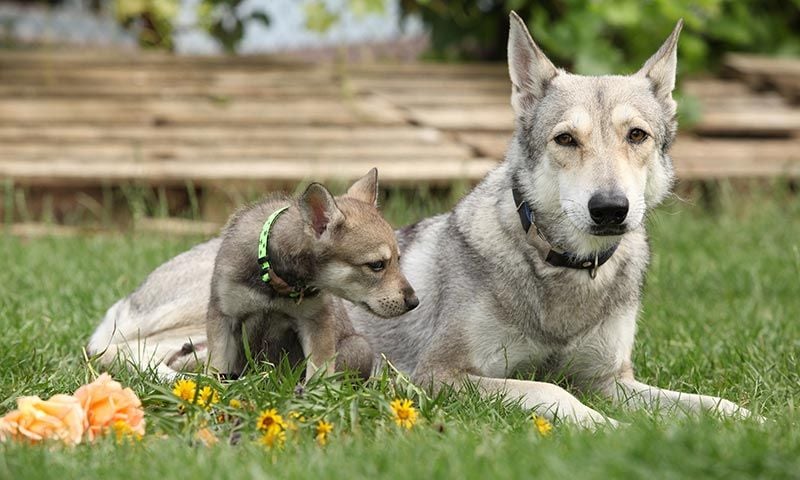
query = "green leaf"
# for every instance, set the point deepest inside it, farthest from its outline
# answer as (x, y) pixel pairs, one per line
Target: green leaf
(362, 8)
(261, 17)
(318, 18)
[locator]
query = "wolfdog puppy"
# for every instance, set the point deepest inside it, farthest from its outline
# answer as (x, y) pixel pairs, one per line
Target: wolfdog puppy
(275, 282)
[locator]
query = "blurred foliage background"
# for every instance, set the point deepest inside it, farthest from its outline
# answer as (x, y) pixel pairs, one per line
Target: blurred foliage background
(601, 36)
(585, 36)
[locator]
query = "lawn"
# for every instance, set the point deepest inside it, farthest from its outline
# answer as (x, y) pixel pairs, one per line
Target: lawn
(721, 311)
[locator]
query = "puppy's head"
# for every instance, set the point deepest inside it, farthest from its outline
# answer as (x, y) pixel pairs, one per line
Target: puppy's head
(357, 251)
(595, 148)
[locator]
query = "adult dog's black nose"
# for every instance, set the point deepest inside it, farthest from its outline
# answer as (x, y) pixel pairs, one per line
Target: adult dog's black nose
(608, 208)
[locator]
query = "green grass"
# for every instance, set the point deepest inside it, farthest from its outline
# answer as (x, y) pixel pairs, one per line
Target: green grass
(720, 317)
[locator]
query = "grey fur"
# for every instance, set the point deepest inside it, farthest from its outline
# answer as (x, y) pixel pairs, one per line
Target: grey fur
(490, 307)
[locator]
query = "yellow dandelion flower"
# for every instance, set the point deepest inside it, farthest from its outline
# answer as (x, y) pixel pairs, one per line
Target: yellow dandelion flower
(207, 396)
(294, 416)
(122, 431)
(185, 390)
(542, 425)
(405, 415)
(269, 420)
(323, 430)
(234, 403)
(273, 437)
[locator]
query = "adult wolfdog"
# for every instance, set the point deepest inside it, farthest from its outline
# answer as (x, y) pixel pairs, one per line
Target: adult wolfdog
(540, 268)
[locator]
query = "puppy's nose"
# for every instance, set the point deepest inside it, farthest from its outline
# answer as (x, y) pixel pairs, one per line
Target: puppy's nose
(608, 208)
(412, 302)
(410, 299)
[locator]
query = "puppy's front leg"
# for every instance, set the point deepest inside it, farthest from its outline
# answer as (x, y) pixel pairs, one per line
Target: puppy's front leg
(318, 339)
(225, 348)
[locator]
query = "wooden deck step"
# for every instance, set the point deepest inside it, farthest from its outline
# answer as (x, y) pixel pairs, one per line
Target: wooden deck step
(780, 73)
(48, 111)
(58, 172)
(323, 135)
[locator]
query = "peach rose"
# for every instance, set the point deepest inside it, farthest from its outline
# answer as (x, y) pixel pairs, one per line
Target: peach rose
(108, 406)
(59, 418)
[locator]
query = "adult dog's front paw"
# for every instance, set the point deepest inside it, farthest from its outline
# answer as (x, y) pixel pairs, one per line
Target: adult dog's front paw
(726, 408)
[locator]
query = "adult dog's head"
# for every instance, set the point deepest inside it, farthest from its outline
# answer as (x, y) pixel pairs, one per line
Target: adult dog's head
(592, 151)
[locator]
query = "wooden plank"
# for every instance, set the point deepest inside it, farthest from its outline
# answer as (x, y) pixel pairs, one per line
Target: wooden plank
(452, 98)
(715, 88)
(491, 118)
(72, 173)
(487, 144)
(388, 85)
(126, 91)
(719, 158)
(418, 69)
(127, 59)
(385, 135)
(780, 73)
(761, 65)
(158, 78)
(363, 110)
(145, 152)
(749, 122)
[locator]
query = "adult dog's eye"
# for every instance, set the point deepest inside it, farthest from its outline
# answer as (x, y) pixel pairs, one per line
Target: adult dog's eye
(637, 135)
(377, 266)
(566, 140)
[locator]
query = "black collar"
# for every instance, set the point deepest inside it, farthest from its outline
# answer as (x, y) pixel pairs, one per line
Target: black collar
(551, 255)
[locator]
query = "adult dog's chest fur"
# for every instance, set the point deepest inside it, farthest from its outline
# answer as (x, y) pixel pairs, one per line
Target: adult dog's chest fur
(535, 324)
(531, 312)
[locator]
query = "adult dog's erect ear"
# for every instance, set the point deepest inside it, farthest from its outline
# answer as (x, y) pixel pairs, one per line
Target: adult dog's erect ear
(319, 209)
(661, 68)
(529, 68)
(366, 188)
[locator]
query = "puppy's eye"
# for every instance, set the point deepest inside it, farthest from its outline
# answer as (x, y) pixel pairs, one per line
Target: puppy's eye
(637, 135)
(376, 266)
(566, 140)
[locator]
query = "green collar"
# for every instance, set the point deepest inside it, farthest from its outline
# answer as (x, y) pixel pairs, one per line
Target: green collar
(263, 242)
(267, 274)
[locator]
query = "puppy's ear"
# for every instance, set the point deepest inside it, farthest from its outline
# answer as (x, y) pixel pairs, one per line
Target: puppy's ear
(662, 67)
(366, 188)
(529, 68)
(319, 209)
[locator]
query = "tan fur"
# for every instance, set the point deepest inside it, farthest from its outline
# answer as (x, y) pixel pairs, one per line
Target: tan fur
(331, 245)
